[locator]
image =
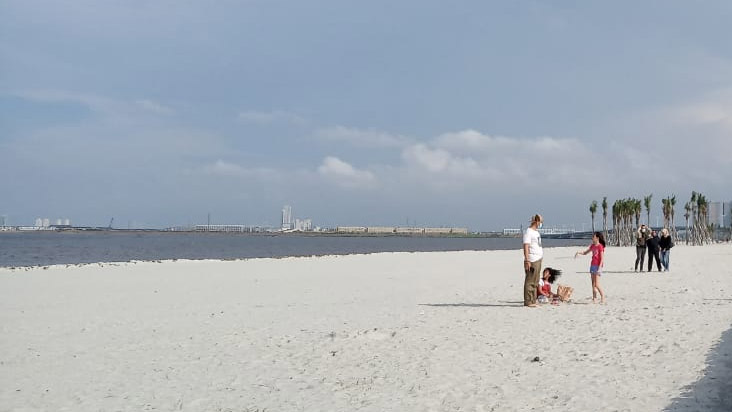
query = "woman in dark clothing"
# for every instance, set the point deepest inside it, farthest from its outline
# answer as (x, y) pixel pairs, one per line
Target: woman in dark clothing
(666, 243)
(640, 246)
(653, 251)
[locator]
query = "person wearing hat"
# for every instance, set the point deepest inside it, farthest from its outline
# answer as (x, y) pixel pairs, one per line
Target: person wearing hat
(665, 243)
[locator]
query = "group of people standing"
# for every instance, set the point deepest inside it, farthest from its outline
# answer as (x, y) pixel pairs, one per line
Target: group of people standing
(534, 285)
(659, 248)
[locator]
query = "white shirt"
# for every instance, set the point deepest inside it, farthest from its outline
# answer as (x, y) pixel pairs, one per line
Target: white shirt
(532, 238)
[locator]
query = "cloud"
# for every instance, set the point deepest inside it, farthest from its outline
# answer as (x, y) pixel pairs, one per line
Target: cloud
(472, 141)
(694, 134)
(482, 145)
(264, 118)
(102, 105)
(362, 138)
(441, 161)
(345, 175)
(154, 107)
(95, 103)
(706, 114)
(465, 158)
(712, 111)
(223, 168)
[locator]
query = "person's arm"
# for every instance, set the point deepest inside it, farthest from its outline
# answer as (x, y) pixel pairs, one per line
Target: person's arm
(583, 253)
(527, 264)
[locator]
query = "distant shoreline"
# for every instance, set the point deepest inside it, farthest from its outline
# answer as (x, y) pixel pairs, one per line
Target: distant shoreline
(303, 234)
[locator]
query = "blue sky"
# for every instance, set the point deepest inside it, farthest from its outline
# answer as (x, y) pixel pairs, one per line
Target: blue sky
(473, 113)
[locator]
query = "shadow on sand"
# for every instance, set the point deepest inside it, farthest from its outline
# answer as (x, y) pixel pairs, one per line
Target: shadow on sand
(504, 304)
(713, 391)
(585, 272)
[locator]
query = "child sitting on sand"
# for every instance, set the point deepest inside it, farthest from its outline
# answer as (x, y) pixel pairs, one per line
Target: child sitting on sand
(544, 291)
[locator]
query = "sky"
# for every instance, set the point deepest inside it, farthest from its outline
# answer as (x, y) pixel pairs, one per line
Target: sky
(473, 114)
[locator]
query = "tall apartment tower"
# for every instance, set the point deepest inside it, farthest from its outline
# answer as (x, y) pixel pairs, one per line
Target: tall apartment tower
(716, 213)
(720, 214)
(286, 217)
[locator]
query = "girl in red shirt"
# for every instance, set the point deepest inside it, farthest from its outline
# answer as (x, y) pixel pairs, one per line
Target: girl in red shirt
(598, 261)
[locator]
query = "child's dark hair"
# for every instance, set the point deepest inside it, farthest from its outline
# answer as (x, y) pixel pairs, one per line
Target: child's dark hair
(601, 237)
(553, 274)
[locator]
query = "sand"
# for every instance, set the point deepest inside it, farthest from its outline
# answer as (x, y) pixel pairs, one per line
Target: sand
(442, 331)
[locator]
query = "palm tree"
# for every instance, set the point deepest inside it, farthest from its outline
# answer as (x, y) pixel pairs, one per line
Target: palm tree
(672, 201)
(593, 209)
(687, 208)
(703, 210)
(604, 216)
(647, 203)
(632, 205)
(616, 223)
(700, 232)
(623, 212)
(693, 217)
(666, 212)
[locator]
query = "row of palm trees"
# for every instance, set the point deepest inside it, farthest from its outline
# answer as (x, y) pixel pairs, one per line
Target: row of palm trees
(701, 231)
(626, 212)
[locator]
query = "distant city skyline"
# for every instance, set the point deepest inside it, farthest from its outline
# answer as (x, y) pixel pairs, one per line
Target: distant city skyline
(720, 214)
(477, 114)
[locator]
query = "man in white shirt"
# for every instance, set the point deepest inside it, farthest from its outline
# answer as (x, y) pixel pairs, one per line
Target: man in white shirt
(533, 254)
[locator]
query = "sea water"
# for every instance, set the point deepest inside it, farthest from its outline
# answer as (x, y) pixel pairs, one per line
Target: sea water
(48, 248)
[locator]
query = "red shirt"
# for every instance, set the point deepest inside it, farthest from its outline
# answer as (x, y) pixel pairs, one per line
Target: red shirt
(546, 289)
(597, 251)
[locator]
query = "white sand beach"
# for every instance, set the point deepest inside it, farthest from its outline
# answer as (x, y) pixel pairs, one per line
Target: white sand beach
(442, 331)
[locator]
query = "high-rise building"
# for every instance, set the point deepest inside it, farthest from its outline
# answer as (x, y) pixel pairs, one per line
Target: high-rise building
(715, 213)
(720, 214)
(725, 216)
(3, 219)
(305, 225)
(286, 218)
(39, 222)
